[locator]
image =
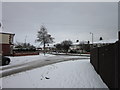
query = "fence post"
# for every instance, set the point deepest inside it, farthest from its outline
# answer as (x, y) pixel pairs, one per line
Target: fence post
(118, 65)
(119, 35)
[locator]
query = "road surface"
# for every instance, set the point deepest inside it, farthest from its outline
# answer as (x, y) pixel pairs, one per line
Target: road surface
(6, 71)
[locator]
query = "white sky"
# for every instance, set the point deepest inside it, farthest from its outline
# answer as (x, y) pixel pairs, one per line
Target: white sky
(63, 20)
(0, 11)
(60, 0)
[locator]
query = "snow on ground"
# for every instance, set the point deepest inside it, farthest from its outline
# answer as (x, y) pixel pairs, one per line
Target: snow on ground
(69, 74)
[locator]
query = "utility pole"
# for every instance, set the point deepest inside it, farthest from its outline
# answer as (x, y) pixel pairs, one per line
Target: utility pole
(25, 38)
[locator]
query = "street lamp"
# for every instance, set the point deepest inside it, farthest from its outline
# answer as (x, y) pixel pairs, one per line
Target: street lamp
(25, 39)
(92, 36)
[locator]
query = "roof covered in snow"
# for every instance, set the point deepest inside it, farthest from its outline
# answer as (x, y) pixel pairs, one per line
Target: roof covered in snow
(96, 42)
(4, 32)
(76, 43)
(106, 41)
(81, 42)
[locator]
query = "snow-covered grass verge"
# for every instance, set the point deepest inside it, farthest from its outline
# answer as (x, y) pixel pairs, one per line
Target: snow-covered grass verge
(69, 74)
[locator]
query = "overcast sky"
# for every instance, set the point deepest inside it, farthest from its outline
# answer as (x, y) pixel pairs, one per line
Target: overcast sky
(0, 11)
(63, 20)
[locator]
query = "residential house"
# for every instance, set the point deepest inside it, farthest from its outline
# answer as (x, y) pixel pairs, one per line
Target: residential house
(6, 43)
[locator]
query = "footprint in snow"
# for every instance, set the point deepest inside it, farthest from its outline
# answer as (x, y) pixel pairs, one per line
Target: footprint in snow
(47, 78)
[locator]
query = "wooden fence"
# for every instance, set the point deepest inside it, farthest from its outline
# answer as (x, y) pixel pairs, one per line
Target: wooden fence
(106, 61)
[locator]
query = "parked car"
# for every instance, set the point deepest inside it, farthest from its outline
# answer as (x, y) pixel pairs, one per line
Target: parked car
(4, 60)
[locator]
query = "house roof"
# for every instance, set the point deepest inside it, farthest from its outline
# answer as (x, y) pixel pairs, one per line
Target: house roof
(4, 32)
(106, 41)
(98, 42)
(76, 43)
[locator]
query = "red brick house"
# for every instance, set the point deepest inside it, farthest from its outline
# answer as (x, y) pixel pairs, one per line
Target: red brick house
(6, 43)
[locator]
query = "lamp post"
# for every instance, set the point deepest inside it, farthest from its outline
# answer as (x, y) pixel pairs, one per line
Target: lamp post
(92, 36)
(25, 39)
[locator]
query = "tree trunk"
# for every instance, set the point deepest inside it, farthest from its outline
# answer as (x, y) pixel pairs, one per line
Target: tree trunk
(44, 48)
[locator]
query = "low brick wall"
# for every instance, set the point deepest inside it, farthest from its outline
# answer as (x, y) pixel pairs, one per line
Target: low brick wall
(26, 54)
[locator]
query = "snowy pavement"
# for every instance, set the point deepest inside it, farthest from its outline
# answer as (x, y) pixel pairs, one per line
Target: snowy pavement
(68, 74)
(20, 64)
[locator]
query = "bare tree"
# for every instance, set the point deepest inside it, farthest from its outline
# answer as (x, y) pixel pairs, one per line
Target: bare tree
(43, 37)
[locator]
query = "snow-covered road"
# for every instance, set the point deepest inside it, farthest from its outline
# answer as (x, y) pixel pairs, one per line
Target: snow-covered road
(34, 62)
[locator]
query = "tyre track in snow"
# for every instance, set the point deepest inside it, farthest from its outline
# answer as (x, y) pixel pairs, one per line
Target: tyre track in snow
(6, 71)
(21, 64)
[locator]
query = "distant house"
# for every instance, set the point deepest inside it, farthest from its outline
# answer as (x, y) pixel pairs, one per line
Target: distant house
(104, 42)
(75, 46)
(6, 43)
(84, 46)
(80, 47)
